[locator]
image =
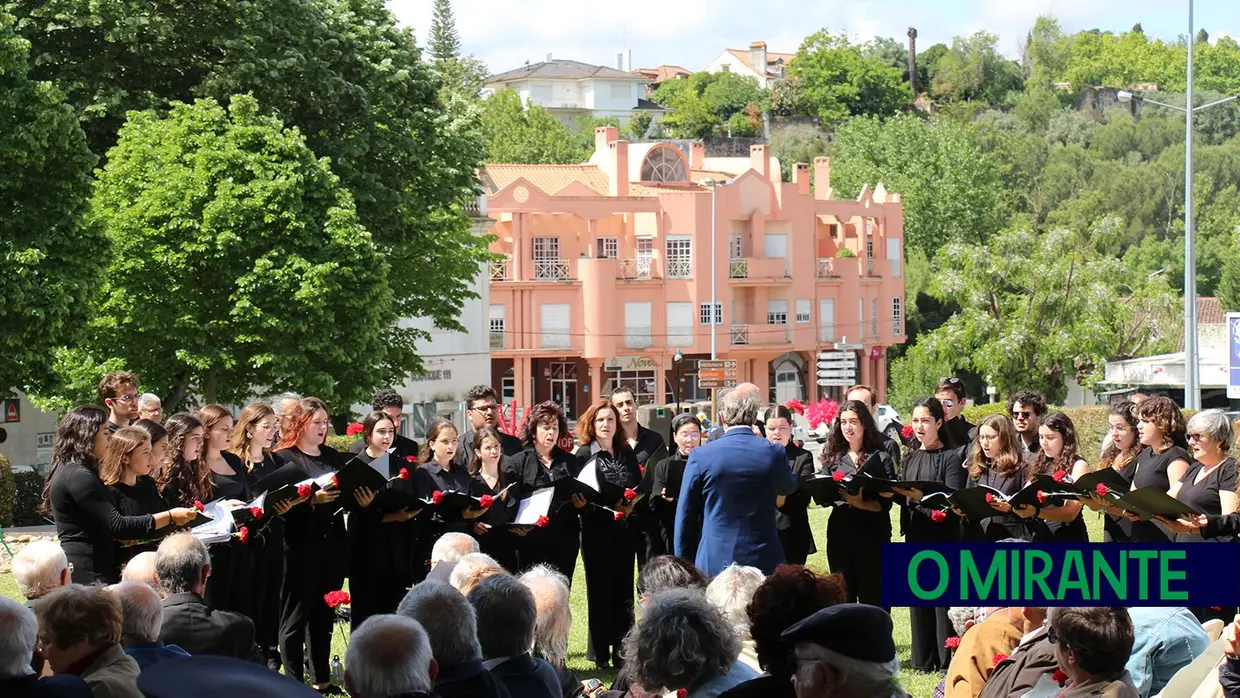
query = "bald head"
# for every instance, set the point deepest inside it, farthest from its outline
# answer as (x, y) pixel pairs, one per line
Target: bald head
(749, 389)
(142, 612)
(182, 565)
(739, 407)
(141, 569)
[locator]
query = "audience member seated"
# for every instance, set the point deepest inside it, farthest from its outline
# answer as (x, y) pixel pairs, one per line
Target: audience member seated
(1229, 670)
(19, 633)
(215, 677)
(1165, 640)
(448, 620)
(731, 591)
(506, 615)
(1092, 645)
(39, 569)
(474, 568)
(845, 651)
(982, 647)
(554, 618)
(141, 568)
(790, 594)
(448, 550)
(389, 656)
(182, 566)
(143, 616)
(1031, 661)
(682, 641)
(80, 634)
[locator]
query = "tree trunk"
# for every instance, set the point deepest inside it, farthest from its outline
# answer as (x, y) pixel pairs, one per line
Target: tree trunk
(210, 387)
(173, 399)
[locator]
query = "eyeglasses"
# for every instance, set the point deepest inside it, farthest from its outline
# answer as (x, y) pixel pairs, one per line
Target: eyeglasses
(951, 381)
(1196, 437)
(485, 408)
(947, 403)
(1051, 637)
(128, 397)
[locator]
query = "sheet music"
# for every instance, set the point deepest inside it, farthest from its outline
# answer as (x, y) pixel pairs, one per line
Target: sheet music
(324, 480)
(534, 506)
(589, 475)
(380, 464)
(219, 529)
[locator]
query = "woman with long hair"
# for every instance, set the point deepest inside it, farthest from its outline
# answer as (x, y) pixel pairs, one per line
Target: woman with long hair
(608, 542)
(230, 586)
(1120, 455)
(439, 473)
(542, 464)
(861, 523)
(792, 512)
(997, 461)
(88, 524)
(183, 477)
(1163, 459)
(487, 470)
(930, 460)
(316, 547)
(158, 436)
(686, 436)
(126, 471)
(1057, 456)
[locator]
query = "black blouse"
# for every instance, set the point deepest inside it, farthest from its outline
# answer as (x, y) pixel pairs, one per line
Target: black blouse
(311, 524)
(1009, 525)
(528, 471)
(1152, 467)
(137, 499)
(859, 521)
(431, 476)
(796, 505)
(235, 486)
(943, 465)
(88, 523)
(1204, 496)
(502, 512)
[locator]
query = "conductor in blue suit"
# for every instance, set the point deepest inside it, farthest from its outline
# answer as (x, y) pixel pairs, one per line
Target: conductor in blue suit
(726, 509)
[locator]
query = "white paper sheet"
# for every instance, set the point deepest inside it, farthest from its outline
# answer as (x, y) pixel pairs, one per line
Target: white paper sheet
(533, 507)
(589, 475)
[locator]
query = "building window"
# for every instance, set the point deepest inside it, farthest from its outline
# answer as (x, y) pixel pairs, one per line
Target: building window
(680, 325)
(679, 256)
(897, 317)
(777, 312)
(645, 247)
(547, 262)
(641, 382)
(555, 325)
(497, 316)
(826, 320)
(664, 164)
(637, 325)
(704, 314)
(607, 248)
(540, 92)
(736, 250)
(621, 90)
(803, 311)
(874, 318)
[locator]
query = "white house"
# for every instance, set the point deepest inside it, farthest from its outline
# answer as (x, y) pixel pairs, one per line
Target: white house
(571, 89)
(757, 63)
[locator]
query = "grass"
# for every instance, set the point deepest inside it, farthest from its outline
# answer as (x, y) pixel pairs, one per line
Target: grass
(916, 683)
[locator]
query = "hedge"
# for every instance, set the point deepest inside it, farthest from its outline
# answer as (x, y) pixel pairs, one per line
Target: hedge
(1090, 422)
(7, 492)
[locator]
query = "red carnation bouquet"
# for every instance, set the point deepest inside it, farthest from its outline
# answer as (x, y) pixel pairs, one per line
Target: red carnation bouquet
(796, 406)
(822, 413)
(356, 430)
(242, 534)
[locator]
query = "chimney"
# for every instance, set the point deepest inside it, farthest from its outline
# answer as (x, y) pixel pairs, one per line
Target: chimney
(619, 161)
(757, 57)
(604, 135)
(697, 155)
(619, 61)
(912, 60)
(800, 177)
(548, 56)
(822, 178)
(760, 161)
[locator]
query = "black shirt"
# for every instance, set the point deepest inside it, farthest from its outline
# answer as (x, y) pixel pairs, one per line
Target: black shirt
(137, 499)
(314, 524)
(647, 444)
(402, 449)
(1204, 496)
(88, 523)
(431, 476)
(235, 486)
(508, 444)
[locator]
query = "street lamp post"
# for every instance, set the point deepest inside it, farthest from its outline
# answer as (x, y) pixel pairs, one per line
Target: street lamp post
(714, 301)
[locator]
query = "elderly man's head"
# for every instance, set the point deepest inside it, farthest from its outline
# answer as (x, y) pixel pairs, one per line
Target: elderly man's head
(554, 615)
(731, 591)
(472, 569)
(40, 568)
(182, 565)
(844, 650)
(142, 610)
(17, 641)
(76, 622)
(679, 640)
(141, 569)
(739, 407)
(389, 655)
(506, 616)
(668, 572)
(149, 407)
(448, 619)
(451, 547)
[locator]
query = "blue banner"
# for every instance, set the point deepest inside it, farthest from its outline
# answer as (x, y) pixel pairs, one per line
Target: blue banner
(1061, 574)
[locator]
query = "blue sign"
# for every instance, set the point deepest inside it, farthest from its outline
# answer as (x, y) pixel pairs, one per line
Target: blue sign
(1233, 356)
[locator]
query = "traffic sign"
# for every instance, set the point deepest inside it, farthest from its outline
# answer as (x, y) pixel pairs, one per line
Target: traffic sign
(837, 364)
(720, 365)
(834, 381)
(715, 383)
(837, 374)
(715, 374)
(849, 347)
(836, 355)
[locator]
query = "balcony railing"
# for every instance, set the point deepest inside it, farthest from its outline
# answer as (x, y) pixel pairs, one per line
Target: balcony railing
(497, 339)
(679, 268)
(826, 267)
(740, 334)
(897, 326)
(758, 268)
(476, 207)
(768, 334)
(556, 339)
(638, 337)
(869, 267)
(640, 269)
(499, 270)
(738, 268)
(680, 336)
(550, 269)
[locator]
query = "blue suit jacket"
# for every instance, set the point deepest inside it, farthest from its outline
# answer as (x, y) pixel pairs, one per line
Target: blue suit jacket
(725, 512)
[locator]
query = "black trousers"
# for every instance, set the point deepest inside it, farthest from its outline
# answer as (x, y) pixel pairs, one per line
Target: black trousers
(306, 621)
(608, 551)
(931, 628)
(854, 549)
(556, 546)
(268, 578)
(231, 584)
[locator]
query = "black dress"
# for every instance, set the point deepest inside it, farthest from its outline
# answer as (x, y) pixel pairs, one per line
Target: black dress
(499, 542)
(1204, 497)
(88, 524)
(557, 543)
(1117, 528)
(427, 479)
(1072, 531)
(137, 499)
(855, 537)
(663, 512)
(268, 564)
(231, 584)
(316, 559)
(931, 626)
(792, 519)
(609, 552)
(1000, 526)
(1152, 470)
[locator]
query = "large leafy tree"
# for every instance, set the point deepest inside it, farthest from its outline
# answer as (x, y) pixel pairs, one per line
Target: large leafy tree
(974, 70)
(246, 270)
(701, 103)
(840, 81)
(50, 258)
(517, 134)
(463, 75)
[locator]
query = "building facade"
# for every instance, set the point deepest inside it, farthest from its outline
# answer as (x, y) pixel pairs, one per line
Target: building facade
(756, 62)
(610, 268)
(571, 89)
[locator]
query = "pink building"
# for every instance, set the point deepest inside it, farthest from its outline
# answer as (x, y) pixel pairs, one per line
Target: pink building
(608, 274)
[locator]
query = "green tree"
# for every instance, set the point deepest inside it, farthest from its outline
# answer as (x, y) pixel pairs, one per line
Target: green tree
(788, 98)
(1046, 51)
(50, 257)
(639, 125)
(974, 70)
(841, 82)
(889, 51)
(797, 143)
(246, 270)
(728, 93)
(445, 42)
(928, 63)
(516, 134)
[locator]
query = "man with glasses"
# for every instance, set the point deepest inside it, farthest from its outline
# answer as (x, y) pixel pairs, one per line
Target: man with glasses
(482, 410)
(1027, 409)
(118, 391)
(951, 394)
(149, 407)
(390, 402)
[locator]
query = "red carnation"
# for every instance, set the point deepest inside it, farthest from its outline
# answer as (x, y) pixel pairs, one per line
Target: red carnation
(630, 494)
(998, 658)
(1059, 475)
(1100, 488)
(198, 505)
(335, 483)
(642, 469)
(952, 643)
(257, 513)
(542, 522)
(907, 432)
(337, 598)
(619, 516)
(838, 475)
(411, 459)
(437, 497)
(682, 693)
(938, 516)
(990, 498)
(486, 501)
(355, 429)
(1059, 677)
(795, 405)
(403, 474)
(303, 491)
(244, 534)
(1041, 497)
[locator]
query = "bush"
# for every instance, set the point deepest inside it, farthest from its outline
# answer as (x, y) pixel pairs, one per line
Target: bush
(27, 498)
(7, 492)
(845, 253)
(1090, 422)
(340, 443)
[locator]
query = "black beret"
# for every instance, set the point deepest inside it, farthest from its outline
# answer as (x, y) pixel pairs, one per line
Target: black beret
(855, 630)
(211, 677)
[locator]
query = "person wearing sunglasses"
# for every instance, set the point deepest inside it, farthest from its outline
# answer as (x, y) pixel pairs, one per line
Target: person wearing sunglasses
(1092, 646)
(1027, 409)
(118, 391)
(957, 431)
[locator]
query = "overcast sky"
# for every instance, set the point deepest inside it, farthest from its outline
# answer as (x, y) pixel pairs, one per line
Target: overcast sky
(690, 33)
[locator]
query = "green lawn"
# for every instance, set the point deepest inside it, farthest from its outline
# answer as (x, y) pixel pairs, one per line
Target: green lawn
(917, 684)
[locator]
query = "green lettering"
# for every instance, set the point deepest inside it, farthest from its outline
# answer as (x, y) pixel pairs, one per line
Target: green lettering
(1014, 582)
(972, 577)
(1102, 568)
(915, 586)
(1166, 575)
(1037, 576)
(1073, 576)
(1143, 558)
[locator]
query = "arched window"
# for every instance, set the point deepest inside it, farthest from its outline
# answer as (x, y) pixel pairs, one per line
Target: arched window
(663, 164)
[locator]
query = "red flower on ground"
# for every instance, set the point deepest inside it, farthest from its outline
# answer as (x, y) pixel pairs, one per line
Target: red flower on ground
(437, 497)
(1041, 497)
(257, 513)
(404, 473)
(244, 534)
(1059, 475)
(838, 476)
(938, 516)
(907, 433)
(336, 598)
(630, 494)
(486, 501)
(542, 522)
(1059, 677)
(198, 505)
(1100, 488)
(411, 459)
(952, 643)
(619, 516)
(998, 658)
(355, 429)
(303, 491)
(990, 498)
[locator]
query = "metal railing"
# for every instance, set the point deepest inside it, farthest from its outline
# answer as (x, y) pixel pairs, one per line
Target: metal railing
(740, 334)
(636, 269)
(550, 269)
(679, 267)
(738, 268)
(497, 339)
(499, 270)
(869, 266)
(826, 268)
(557, 339)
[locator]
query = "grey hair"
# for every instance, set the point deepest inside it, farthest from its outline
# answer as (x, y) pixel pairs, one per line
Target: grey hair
(179, 562)
(388, 655)
(855, 677)
(554, 617)
(680, 639)
(1215, 424)
(959, 615)
(453, 546)
(142, 613)
(739, 408)
(38, 568)
(18, 640)
(468, 568)
(506, 615)
(731, 592)
(448, 619)
(147, 399)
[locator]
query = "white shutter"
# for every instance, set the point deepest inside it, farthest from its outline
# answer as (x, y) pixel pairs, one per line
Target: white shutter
(894, 257)
(555, 318)
(680, 325)
(803, 310)
(826, 319)
(637, 325)
(776, 246)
